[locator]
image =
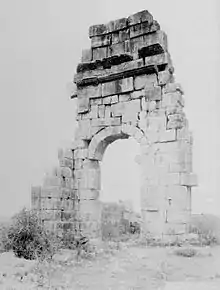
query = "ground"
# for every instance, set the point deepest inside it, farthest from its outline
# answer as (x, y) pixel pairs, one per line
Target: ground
(130, 267)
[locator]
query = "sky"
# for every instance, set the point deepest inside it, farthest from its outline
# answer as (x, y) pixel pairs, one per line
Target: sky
(41, 44)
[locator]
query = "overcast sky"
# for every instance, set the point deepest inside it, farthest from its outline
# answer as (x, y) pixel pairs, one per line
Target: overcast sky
(41, 43)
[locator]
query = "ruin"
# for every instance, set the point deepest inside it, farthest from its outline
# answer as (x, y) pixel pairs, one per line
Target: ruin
(125, 87)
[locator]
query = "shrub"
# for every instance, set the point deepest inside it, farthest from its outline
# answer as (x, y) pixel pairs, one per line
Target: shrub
(27, 237)
(185, 252)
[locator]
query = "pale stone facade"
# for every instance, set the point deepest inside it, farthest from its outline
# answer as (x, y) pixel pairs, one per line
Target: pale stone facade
(125, 87)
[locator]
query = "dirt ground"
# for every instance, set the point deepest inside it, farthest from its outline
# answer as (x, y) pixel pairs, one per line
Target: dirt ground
(129, 268)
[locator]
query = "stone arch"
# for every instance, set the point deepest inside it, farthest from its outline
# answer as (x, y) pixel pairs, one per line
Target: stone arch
(108, 135)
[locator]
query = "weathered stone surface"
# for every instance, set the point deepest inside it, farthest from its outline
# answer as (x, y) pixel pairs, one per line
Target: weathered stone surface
(143, 28)
(99, 53)
(125, 88)
(86, 55)
(139, 17)
(145, 81)
(99, 41)
(117, 87)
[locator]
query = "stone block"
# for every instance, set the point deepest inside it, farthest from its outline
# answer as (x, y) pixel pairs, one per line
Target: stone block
(114, 99)
(106, 122)
(156, 123)
(80, 153)
(115, 37)
(137, 94)
(94, 112)
(152, 197)
(139, 17)
(124, 35)
(145, 81)
(172, 100)
(90, 179)
(90, 91)
(158, 59)
(107, 100)
(172, 88)
(153, 93)
(134, 44)
(143, 28)
(52, 181)
(168, 136)
(188, 179)
(99, 41)
(99, 53)
(98, 29)
(153, 222)
(101, 111)
(119, 48)
(131, 110)
(158, 38)
(117, 87)
(178, 217)
(175, 121)
(164, 77)
(88, 194)
(76, 144)
(95, 102)
(66, 162)
(124, 97)
(117, 25)
(65, 153)
(64, 172)
(86, 55)
(178, 198)
(108, 112)
(117, 109)
(169, 179)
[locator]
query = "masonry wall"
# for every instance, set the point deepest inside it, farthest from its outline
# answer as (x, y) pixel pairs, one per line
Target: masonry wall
(125, 87)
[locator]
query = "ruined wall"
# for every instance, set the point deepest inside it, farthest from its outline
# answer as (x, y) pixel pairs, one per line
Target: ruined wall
(125, 87)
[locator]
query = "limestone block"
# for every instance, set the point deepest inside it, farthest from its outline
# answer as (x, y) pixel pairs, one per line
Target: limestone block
(173, 87)
(97, 101)
(63, 172)
(107, 100)
(115, 37)
(153, 197)
(98, 29)
(169, 179)
(180, 167)
(90, 179)
(134, 45)
(90, 210)
(106, 122)
(137, 94)
(99, 53)
(88, 194)
(124, 35)
(68, 193)
(118, 109)
(90, 91)
(101, 111)
(84, 130)
(153, 222)
(172, 99)
(108, 113)
(188, 179)
(52, 181)
(139, 17)
(98, 41)
(124, 97)
(145, 81)
(168, 136)
(78, 164)
(164, 77)
(94, 112)
(153, 93)
(82, 104)
(69, 183)
(143, 28)
(66, 162)
(86, 55)
(156, 123)
(132, 108)
(117, 25)
(157, 38)
(179, 196)
(176, 121)
(119, 48)
(114, 99)
(143, 104)
(158, 59)
(117, 87)
(80, 153)
(65, 153)
(79, 143)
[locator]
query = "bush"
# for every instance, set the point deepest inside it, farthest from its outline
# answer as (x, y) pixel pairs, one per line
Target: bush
(186, 252)
(207, 227)
(27, 237)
